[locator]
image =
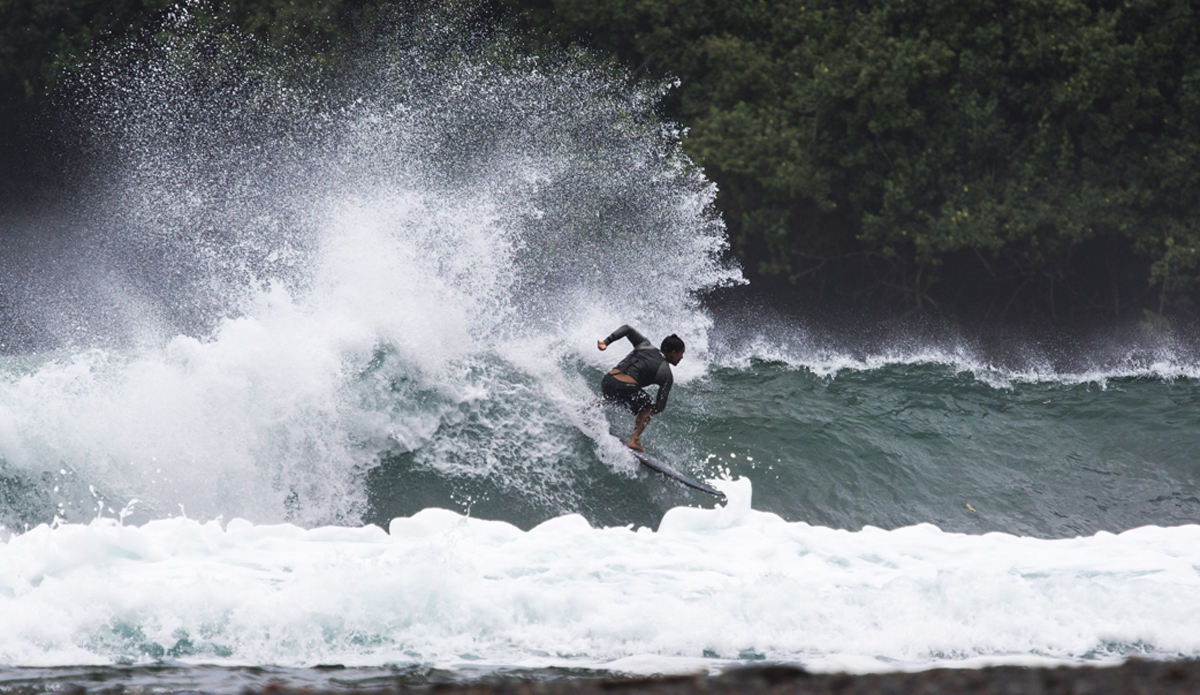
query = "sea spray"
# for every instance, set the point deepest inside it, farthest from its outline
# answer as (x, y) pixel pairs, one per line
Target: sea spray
(289, 275)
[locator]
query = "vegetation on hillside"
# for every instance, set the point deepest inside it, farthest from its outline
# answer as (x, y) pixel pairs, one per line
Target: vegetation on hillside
(898, 142)
(1035, 155)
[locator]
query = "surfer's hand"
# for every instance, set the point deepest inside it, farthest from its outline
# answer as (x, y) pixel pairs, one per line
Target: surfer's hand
(602, 345)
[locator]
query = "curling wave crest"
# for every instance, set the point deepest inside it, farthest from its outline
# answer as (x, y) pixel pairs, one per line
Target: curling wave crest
(283, 278)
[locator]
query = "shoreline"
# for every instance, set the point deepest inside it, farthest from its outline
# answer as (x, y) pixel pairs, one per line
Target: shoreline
(1140, 676)
(1134, 676)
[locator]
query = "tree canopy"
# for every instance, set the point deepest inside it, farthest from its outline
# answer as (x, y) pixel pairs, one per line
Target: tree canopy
(879, 142)
(918, 151)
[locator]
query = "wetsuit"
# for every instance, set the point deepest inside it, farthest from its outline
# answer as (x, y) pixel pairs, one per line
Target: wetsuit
(646, 365)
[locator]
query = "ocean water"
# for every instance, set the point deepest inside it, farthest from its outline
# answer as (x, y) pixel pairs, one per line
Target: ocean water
(302, 388)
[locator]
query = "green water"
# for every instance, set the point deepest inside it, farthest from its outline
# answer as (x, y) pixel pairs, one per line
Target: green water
(889, 446)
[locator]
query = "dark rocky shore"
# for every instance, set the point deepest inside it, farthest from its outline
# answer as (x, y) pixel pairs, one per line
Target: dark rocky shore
(1132, 678)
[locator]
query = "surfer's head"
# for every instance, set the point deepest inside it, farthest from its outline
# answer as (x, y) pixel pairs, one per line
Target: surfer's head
(672, 348)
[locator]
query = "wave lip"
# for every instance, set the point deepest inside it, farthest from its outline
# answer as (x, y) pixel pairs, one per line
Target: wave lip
(1159, 363)
(283, 273)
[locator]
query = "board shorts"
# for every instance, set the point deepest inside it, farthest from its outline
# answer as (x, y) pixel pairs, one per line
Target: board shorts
(626, 395)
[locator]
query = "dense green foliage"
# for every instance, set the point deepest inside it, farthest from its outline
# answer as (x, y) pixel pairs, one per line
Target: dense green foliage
(909, 134)
(41, 42)
(923, 147)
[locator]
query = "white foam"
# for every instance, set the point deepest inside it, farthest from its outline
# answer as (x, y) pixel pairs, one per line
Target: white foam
(1166, 362)
(710, 587)
(379, 269)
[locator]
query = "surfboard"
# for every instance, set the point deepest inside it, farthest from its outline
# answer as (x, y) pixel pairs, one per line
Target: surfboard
(659, 467)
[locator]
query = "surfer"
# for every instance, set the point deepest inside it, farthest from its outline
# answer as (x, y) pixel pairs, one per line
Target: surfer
(644, 366)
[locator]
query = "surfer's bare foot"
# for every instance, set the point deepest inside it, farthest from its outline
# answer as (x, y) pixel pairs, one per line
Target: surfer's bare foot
(636, 445)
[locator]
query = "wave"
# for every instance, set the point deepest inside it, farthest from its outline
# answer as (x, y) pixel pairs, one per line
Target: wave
(298, 308)
(285, 276)
(1099, 360)
(707, 588)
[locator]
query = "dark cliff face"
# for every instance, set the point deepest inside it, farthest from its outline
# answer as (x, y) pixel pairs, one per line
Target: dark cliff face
(33, 169)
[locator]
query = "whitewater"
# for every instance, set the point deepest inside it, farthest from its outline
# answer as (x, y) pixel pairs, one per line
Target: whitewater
(705, 588)
(303, 382)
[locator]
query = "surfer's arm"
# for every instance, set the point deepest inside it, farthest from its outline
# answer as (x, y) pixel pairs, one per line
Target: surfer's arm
(624, 331)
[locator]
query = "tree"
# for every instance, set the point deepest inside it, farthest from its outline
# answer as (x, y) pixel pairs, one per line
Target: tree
(897, 137)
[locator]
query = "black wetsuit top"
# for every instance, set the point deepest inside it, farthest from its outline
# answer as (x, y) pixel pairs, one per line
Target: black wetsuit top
(645, 364)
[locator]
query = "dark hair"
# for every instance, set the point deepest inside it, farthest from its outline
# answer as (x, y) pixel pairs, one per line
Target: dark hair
(672, 343)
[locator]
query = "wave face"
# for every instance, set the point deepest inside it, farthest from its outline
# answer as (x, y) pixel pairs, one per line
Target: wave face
(296, 310)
